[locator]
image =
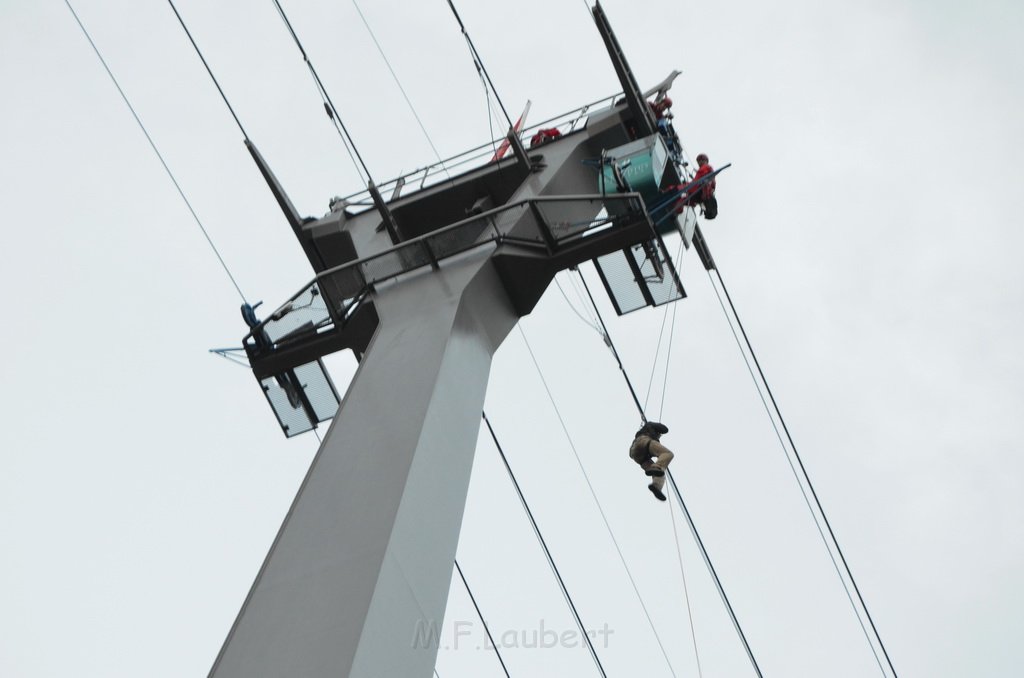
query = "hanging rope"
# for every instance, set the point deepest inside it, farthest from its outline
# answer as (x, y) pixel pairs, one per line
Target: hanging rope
(159, 155)
(661, 412)
(587, 321)
(597, 502)
(657, 350)
(544, 547)
(483, 621)
(608, 341)
(806, 478)
(682, 505)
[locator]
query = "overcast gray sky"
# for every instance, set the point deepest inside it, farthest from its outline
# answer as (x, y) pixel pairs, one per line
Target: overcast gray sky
(869, 232)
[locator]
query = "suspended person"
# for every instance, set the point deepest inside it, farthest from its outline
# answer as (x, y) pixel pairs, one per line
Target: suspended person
(647, 446)
(703, 195)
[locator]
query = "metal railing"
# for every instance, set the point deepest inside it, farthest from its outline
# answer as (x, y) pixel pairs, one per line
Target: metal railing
(545, 223)
(478, 156)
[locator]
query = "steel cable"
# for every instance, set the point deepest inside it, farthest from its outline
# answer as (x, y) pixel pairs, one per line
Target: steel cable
(159, 155)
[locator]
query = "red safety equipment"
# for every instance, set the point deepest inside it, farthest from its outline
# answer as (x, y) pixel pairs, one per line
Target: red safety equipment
(544, 135)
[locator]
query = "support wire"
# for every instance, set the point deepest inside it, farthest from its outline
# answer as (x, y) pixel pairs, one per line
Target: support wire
(597, 502)
(208, 70)
(544, 547)
(686, 594)
(332, 110)
(806, 478)
(478, 62)
(714, 574)
(483, 621)
(159, 155)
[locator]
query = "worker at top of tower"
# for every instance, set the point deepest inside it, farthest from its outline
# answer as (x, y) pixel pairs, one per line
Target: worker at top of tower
(663, 119)
(699, 191)
(647, 446)
(660, 107)
(542, 136)
(707, 192)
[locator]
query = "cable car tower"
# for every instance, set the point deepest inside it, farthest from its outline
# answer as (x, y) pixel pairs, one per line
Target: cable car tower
(424, 287)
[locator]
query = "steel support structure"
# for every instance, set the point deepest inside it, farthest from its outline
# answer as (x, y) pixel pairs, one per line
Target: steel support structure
(364, 557)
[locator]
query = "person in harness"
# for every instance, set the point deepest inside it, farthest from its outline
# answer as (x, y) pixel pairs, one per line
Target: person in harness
(663, 118)
(705, 196)
(702, 195)
(647, 446)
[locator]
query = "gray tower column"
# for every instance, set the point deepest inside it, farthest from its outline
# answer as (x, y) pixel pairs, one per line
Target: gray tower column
(372, 534)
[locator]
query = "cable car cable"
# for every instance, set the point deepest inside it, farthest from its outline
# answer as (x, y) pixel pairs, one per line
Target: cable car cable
(332, 110)
(803, 492)
(483, 621)
(593, 494)
(806, 478)
(682, 505)
(686, 593)
(212, 76)
(159, 155)
(714, 574)
(478, 62)
(544, 546)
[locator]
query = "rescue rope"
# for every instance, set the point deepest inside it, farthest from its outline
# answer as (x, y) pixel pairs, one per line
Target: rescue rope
(588, 322)
(682, 505)
(802, 473)
(608, 341)
(668, 353)
(661, 412)
(593, 494)
(483, 621)
(159, 155)
(544, 547)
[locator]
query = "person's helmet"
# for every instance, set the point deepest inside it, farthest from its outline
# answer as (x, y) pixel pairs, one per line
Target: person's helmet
(702, 156)
(666, 103)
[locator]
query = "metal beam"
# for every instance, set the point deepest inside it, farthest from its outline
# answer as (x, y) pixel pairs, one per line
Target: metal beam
(364, 556)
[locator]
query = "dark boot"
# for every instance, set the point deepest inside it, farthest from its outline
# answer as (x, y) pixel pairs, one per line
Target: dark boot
(656, 492)
(655, 471)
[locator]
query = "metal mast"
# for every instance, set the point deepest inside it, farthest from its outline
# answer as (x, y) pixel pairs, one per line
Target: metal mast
(424, 288)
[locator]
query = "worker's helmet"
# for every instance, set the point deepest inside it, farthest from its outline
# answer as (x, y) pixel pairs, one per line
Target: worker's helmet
(666, 103)
(702, 156)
